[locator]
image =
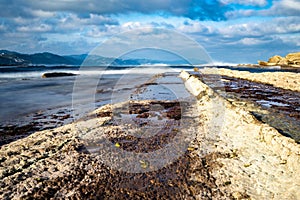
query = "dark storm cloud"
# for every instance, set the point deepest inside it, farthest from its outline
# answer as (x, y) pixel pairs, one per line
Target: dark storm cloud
(193, 9)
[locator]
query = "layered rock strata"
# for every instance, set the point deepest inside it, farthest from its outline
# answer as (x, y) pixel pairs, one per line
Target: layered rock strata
(262, 164)
(292, 59)
(285, 80)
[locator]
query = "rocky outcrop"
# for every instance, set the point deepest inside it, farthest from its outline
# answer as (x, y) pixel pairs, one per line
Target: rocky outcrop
(285, 80)
(59, 164)
(232, 155)
(57, 74)
(292, 59)
(68, 162)
(272, 105)
(275, 59)
(262, 164)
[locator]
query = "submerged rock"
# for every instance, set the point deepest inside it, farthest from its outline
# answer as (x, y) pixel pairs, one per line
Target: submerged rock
(57, 74)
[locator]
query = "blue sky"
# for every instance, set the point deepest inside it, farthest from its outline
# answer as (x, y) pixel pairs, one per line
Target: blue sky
(238, 31)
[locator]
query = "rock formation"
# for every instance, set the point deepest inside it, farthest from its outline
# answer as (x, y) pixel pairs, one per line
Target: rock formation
(57, 74)
(285, 80)
(262, 163)
(232, 155)
(292, 60)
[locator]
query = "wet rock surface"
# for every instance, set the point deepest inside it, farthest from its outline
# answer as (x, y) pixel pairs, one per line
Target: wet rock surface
(284, 80)
(39, 121)
(230, 154)
(277, 107)
(67, 162)
(57, 164)
(263, 163)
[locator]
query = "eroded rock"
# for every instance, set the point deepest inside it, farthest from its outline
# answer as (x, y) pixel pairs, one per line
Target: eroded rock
(292, 59)
(262, 162)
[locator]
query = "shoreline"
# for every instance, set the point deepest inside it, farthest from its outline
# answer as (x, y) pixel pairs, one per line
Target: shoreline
(237, 157)
(285, 80)
(257, 151)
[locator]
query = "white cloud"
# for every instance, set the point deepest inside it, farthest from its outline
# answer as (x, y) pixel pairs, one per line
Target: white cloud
(3, 27)
(282, 25)
(41, 13)
(35, 28)
(291, 4)
(236, 14)
(195, 27)
(251, 41)
(292, 39)
(131, 25)
(282, 8)
(278, 8)
(246, 2)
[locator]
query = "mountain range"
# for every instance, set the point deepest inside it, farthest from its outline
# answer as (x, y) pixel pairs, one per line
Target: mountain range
(11, 58)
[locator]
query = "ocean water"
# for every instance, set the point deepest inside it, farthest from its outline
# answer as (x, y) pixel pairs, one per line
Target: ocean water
(23, 90)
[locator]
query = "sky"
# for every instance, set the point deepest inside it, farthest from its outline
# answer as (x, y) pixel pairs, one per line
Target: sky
(233, 31)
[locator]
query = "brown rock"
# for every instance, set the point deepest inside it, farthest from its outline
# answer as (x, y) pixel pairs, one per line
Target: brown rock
(275, 59)
(293, 58)
(283, 61)
(262, 63)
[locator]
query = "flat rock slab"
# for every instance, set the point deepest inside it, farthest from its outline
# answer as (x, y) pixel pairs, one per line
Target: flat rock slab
(285, 80)
(275, 106)
(263, 164)
(68, 162)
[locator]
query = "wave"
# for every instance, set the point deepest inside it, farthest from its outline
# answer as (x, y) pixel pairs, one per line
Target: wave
(220, 63)
(89, 72)
(133, 70)
(156, 64)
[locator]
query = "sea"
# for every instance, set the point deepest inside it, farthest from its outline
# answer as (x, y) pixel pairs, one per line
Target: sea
(23, 90)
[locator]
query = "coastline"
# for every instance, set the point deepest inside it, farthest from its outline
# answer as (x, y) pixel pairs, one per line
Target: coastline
(238, 158)
(262, 162)
(285, 80)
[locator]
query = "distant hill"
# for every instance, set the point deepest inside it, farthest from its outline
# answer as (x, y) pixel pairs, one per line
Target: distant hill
(11, 58)
(15, 58)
